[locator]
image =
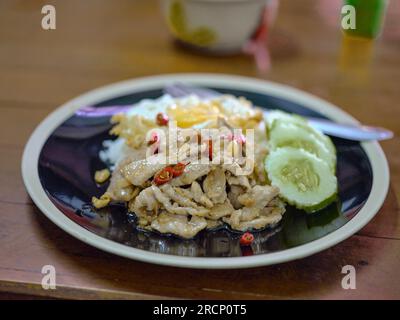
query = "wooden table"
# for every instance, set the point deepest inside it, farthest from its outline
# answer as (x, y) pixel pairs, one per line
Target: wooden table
(99, 42)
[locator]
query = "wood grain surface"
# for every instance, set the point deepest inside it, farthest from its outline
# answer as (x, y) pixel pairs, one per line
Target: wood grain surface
(99, 42)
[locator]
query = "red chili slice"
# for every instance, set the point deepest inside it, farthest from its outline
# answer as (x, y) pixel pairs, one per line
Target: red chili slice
(153, 138)
(199, 138)
(210, 150)
(240, 138)
(162, 119)
(178, 169)
(163, 176)
(246, 239)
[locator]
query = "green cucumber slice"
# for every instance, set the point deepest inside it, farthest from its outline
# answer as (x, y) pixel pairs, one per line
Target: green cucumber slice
(326, 141)
(318, 135)
(297, 120)
(304, 180)
(284, 134)
(281, 115)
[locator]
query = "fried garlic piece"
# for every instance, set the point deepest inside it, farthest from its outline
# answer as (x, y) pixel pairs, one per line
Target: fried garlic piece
(101, 176)
(102, 202)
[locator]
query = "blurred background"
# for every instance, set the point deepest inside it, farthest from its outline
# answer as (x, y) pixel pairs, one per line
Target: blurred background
(131, 38)
(98, 41)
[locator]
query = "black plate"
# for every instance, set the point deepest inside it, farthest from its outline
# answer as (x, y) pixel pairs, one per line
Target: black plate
(69, 159)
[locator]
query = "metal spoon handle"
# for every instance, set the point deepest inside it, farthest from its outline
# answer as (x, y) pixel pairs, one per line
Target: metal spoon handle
(355, 132)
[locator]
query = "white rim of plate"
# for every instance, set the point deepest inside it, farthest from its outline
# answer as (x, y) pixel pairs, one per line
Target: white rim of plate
(34, 146)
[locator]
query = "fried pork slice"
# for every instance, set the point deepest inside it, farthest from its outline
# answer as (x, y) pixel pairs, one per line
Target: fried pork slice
(233, 195)
(191, 173)
(211, 224)
(194, 193)
(258, 196)
(234, 219)
(178, 195)
(276, 202)
(242, 181)
(166, 202)
(145, 206)
(236, 180)
(199, 196)
(232, 168)
(214, 186)
(258, 223)
(261, 209)
(119, 188)
(248, 214)
(140, 171)
(183, 226)
(253, 218)
(220, 210)
(267, 211)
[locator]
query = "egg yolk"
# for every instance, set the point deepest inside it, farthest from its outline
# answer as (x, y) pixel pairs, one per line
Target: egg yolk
(188, 117)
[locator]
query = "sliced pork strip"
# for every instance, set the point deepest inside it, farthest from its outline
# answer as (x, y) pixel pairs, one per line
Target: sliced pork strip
(234, 219)
(199, 196)
(211, 224)
(145, 203)
(233, 168)
(254, 218)
(258, 196)
(179, 225)
(276, 202)
(140, 171)
(242, 181)
(194, 193)
(214, 186)
(190, 174)
(118, 187)
(126, 194)
(118, 181)
(249, 214)
(184, 192)
(233, 195)
(259, 223)
(268, 211)
(178, 196)
(220, 210)
(165, 200)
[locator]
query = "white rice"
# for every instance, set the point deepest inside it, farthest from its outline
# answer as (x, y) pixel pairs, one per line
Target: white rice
(115, 150)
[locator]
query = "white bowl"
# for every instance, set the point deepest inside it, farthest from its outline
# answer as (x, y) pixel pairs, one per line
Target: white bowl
(221, 26)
